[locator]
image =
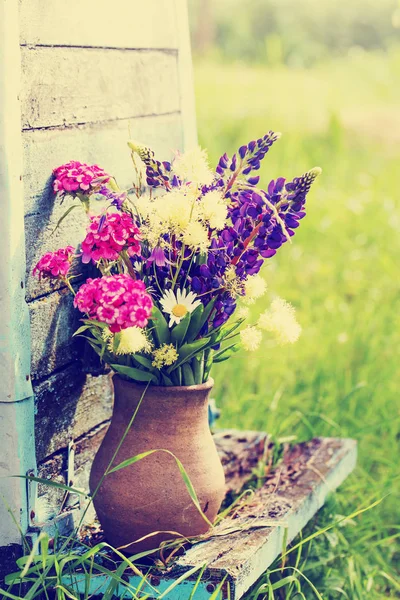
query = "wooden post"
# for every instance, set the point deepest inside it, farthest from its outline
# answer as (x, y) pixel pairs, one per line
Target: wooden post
(17, 454)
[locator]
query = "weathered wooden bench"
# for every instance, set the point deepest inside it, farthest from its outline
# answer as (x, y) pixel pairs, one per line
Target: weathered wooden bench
(253, 534)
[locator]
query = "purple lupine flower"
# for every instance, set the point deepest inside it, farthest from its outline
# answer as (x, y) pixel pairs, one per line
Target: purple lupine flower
(156, 171)
(261, 222)
(250, 156)
(116, 199)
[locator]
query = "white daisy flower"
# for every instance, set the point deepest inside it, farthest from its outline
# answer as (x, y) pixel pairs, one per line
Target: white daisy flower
(177, 306)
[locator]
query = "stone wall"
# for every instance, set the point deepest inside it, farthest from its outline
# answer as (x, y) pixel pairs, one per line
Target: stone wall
(94, 73)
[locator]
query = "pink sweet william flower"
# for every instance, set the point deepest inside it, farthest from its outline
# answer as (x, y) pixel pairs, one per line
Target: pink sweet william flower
(78, 177)
(55, 265)
(108, 235)
(117, 300)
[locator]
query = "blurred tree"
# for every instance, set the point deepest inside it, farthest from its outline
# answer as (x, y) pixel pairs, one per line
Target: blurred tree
(302, 31)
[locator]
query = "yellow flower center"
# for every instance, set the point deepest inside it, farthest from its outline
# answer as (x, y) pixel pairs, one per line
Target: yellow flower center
(179, 310)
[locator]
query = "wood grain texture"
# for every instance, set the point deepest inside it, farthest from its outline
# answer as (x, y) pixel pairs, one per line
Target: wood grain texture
(42, 235)
(244, 544)
(104, 144)
(53, 321)
(54, 468)
(68, 405)
(119, 24)
(64, 86)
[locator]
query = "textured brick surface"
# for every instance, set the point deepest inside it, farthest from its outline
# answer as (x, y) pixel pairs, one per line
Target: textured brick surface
(120, 23)
(76, 85)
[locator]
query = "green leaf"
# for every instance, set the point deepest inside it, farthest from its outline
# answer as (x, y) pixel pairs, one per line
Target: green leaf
(160, 325)
(143, 361)
(187, 375)
(187, 351)
(81, 330)
(166, 379)
(197, 365)
(94, 322)
(50, 483)
(195, 324)
(179, 331)
(176, 376)
(207, 312)
(229, 329)
(225, 353)
(135, 374)
(209, 358)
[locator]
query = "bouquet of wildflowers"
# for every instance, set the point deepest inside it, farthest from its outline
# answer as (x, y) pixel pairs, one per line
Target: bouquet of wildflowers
(178, 259)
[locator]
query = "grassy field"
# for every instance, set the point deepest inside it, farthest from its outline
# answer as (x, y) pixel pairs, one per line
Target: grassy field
(341, 273)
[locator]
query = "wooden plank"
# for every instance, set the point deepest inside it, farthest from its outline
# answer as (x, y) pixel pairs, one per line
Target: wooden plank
(186, 85)
(120, 24)
(54, 468)
(53, 321)
(68, 405)
(104, 144)
(64, 86)
(240, 453)
(42, 235)
(245, 545)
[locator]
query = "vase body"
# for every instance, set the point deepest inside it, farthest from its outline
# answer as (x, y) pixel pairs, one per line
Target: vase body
(150, 495)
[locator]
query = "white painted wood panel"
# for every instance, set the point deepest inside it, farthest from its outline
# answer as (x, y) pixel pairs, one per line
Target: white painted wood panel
(116, 23)
(64, 86)
(104, 144)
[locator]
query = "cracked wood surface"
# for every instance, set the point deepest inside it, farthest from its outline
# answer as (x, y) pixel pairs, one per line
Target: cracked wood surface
(245, 543)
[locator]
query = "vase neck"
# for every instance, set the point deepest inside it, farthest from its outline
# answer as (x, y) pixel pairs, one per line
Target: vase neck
(161, 406)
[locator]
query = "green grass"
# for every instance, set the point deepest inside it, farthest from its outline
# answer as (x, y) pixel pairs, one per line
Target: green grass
(341, 273)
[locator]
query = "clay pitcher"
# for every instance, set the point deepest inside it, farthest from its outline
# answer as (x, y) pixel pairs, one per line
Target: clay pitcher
(150, 495)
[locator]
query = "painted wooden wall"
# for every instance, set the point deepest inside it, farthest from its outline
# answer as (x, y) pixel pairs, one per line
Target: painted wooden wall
(93, 73)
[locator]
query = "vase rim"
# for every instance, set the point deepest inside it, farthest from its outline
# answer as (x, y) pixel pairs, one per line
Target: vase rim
(170, 388)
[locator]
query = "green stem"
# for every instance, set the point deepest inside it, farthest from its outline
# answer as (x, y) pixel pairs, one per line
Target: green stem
(179, 267)
(234, 177)
(128, 264)
(155, 275)
(188, 271)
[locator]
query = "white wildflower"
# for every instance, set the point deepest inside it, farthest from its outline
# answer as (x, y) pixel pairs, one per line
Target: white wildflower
(174, 209)
(192, 166)
(232, 283)
(130, 341)
(243, 312)
(254, 287)
(145, 206)
(177, 306)
(280, 319)
(251, 338)
(213, 209)
(195, 236)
